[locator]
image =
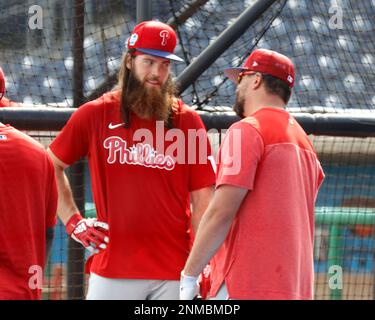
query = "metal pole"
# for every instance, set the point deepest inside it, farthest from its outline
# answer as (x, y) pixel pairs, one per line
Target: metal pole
(144, 10)
(185, 13)
(225, 40)
(78, 52)
(343, 125)
(76, 252)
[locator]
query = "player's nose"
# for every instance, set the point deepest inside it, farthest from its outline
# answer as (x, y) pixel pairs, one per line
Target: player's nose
(156, 71)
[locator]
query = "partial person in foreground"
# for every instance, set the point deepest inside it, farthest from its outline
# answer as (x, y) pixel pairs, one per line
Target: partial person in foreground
(259, 227)
(136, 141)
(28, 202)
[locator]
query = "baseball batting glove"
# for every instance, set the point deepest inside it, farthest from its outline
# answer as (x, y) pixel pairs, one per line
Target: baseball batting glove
(189, 287)
(205, 282)
(92, 234)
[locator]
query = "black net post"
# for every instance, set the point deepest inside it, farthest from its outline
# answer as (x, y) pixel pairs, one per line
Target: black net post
(76, 252)
(144, 10)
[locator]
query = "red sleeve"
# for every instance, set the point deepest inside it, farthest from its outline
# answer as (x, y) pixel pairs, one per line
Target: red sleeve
(201, 172)
(51, 194)
(72, 143)
(321, 177)
(239, 155)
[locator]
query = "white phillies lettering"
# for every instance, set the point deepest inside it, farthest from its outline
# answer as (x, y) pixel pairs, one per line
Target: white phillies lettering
(165, 35)
(139, 154)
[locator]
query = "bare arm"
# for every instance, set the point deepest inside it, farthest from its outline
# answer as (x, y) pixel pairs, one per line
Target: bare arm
(200, 200)
(214, 227)
(66, 206)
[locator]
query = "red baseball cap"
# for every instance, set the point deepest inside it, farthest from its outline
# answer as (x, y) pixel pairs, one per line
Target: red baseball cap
(2, 83)
(266, 61)
(154, 38)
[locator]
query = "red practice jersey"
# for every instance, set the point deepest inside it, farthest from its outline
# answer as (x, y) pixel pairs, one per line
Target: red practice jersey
(268, 253)
(28, 202)
(140, 184)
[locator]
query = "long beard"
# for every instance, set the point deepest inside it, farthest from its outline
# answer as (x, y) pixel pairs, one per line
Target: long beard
(238, 107)
(149, 103)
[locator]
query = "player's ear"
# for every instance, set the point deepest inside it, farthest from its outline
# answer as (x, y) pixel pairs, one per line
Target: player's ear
(128, 61)
(257, 81)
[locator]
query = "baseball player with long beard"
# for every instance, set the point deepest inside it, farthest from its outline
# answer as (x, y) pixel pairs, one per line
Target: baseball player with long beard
(141, 188)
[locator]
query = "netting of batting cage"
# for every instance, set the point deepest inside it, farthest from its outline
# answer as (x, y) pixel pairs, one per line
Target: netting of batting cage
(331, 43)
(345, 217)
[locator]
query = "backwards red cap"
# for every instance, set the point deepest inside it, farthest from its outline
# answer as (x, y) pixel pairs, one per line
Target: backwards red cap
(154, 38)
(268, 62)
(2, 83)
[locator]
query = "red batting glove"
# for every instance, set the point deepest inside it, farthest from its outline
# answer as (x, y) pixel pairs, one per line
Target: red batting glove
(92, 234)
(205, 282)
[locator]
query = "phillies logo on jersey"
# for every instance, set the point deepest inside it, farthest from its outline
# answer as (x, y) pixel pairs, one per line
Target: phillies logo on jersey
(164, 34)
(139, 154)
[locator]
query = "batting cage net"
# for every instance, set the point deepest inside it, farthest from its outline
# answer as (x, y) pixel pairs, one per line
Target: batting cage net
(332, 44)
